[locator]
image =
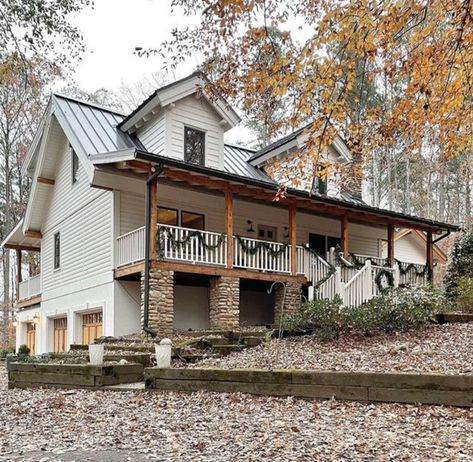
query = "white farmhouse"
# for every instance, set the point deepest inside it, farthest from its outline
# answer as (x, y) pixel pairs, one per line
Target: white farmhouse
(150, 221)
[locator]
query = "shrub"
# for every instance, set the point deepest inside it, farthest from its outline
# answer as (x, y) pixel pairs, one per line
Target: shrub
(464, 294)
(24, 350)
(395, 310)
(460, 263)
(4, 352)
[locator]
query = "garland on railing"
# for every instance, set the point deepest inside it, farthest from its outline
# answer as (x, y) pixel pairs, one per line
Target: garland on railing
(177, 244)
(331, 270)
(258, 245)
(405, 268)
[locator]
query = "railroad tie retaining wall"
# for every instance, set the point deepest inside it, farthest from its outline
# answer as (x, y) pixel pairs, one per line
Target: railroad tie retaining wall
(28, 375)
(455, 390)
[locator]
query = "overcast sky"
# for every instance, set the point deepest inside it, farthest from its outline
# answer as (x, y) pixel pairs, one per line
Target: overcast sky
(111, 32)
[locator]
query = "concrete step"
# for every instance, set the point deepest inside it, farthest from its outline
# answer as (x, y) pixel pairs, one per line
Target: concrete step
(252, 341)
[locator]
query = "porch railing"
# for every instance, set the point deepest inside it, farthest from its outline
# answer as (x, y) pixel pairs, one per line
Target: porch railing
(131, 247)
(191, 246)
(29, 288)
(261, 255)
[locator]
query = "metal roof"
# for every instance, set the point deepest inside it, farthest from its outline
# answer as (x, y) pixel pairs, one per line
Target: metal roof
(236, 162)
(95, 127)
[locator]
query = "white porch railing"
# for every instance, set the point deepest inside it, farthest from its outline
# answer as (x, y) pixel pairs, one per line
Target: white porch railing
(313, 267)
(29, 288)
(272, 256)
(359, 289)
(182, 244)
(131, 247)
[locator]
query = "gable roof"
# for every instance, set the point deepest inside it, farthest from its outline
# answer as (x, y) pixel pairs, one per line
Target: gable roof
(172, 92)
(441, 255)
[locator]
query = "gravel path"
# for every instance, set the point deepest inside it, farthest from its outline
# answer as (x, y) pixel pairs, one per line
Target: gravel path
(444, 348)
(47, 425)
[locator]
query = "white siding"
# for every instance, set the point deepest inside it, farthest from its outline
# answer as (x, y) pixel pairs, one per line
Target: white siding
(153, 135)
(362, 239)
(83, 217)
(409, 248)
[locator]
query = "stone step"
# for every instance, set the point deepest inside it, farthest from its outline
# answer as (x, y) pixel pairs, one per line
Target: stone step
(252, 341)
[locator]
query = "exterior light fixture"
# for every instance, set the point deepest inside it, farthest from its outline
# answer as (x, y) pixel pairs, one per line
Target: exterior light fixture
(250, 228)
(14, 321)
(36, 318)
(286, 231)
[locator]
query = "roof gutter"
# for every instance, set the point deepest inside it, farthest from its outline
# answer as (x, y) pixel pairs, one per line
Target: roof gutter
(150, 179)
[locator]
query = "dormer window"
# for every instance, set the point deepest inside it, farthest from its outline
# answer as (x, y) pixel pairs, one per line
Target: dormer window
(320, 183)
(75, 166)
(194, 146)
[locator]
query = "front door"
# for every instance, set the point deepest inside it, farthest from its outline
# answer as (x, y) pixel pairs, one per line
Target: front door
(91, 327)
(60, 335)
(31, 337)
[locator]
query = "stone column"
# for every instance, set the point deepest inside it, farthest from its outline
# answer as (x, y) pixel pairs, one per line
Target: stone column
(161, 300)
(292, 300)
(224, 302)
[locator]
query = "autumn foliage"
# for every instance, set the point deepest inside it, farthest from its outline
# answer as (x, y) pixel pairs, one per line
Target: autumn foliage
(331, 61)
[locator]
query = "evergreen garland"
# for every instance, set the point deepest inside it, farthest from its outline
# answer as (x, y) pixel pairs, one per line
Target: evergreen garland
(255, 247)
(405, 268)
(177, 244)
(331, 270)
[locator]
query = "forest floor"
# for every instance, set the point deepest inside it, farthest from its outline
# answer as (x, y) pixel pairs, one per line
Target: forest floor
(79, 425)
(436, 348)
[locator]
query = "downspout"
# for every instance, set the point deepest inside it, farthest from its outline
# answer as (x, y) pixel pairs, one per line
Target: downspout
(151, 178)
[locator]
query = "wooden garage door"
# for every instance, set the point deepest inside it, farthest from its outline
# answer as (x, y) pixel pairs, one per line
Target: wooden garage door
(60, 335)
(31, 336)
(91, 327)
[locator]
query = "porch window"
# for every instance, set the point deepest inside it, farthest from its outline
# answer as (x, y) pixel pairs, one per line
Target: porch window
(57, 251)
(75, 167)
(194, 146)
(192, 220)
(167, 216)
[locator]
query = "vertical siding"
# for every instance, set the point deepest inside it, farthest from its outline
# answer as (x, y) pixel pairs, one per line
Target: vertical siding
(83, 217)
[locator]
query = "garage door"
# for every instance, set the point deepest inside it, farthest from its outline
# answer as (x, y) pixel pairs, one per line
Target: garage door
(60, 335)
(91, 327)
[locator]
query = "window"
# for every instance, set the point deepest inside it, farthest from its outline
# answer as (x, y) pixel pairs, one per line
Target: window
(75, 167)
(320, 181)
(267, 233)
(192, 220)
(194, 146)
(57, 251)
(167, 216)
(322, 243)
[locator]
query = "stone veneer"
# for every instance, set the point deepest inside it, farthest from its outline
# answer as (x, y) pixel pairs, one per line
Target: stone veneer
(292, 300)
(161, 300)
(224, 302)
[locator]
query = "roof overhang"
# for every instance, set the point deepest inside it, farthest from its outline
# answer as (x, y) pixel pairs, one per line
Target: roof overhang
(142, 162)
(169, 94)
(18, 240)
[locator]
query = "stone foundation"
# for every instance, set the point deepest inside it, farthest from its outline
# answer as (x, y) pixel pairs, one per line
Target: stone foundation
(224, 302)
(161, 300)
(292, 300)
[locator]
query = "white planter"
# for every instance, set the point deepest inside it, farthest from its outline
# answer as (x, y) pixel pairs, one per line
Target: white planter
(163, 353)
(96, 353)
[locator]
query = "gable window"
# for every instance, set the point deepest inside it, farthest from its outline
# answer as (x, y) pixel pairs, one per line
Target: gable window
(194, 146)
(57, 251)
(75, 167)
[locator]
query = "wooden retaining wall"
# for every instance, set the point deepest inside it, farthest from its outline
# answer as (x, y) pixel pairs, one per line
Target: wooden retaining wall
(28, 375)
(455, 390)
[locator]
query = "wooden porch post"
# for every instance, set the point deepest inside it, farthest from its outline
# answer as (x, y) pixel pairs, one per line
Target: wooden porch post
(344, 235)
(18, 273)
(229, 226)
(293, 237)
(153, 226)
(391, 244)
(430, 255)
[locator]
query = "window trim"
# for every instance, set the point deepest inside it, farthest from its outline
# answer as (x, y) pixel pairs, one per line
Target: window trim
(193, 213)
(204, 132)
(57, 255)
